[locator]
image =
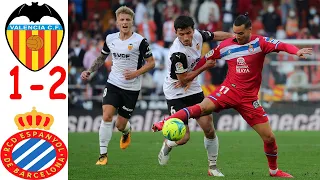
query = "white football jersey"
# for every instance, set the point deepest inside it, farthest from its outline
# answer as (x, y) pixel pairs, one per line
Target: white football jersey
(183, 59)
(126, 54)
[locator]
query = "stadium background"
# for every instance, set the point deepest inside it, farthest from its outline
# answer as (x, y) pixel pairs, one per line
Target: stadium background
(290, 91)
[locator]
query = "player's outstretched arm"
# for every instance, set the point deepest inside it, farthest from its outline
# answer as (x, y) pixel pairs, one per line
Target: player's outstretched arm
(271, 45)
(94, 67)
(291, 49)
(220, 35)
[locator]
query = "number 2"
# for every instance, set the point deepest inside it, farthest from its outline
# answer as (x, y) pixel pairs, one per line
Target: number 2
(224, 89)
(53, 88)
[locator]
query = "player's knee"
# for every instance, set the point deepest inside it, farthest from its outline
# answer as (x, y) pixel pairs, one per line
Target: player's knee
(206, 106)
(107, 117)
(269, 138)
(209, 132)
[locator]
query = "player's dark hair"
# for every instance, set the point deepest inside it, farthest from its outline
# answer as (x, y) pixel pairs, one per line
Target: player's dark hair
(243, 19)
(183, 22)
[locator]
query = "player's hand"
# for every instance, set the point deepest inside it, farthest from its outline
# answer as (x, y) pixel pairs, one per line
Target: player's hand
(179, 85)
(302, 52)
(85, 75)
(210, 64)
(128, 75)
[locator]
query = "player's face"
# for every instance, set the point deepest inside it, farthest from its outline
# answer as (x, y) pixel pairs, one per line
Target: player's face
(242, 34)
(124, 22)
(185, 35)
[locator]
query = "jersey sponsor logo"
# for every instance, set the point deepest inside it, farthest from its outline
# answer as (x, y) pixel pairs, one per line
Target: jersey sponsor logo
(121, 56)
(34, 152)
(130, 46)
(179, 66)
(242, 67)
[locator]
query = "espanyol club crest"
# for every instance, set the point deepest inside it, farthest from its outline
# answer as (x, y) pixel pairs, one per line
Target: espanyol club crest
(34, 34)
(34, 153)
(250, 49)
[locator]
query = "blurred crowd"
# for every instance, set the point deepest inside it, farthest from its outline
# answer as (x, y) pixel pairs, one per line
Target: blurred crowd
(90, 21)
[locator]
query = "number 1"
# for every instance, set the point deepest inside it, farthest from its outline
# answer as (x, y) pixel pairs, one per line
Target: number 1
(15, 73)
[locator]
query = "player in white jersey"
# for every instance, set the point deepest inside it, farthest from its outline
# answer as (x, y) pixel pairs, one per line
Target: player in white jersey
(184, 54)
(128, 50)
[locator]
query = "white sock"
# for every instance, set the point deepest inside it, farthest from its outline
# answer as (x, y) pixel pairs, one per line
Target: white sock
(126, 129)
(273, 171)
(212, 147)
(170, 145)
(105, 134)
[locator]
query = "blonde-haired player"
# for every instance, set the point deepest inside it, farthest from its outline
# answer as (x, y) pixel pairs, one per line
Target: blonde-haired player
(128, 50)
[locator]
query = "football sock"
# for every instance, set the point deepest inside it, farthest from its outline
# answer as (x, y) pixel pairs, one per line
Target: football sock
(170, 145)
(187, 113)
(105, 134)
(126, 129)
(270, 150)
(212, 147)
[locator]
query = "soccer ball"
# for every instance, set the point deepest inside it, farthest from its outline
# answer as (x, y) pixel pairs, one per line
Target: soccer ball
(174, 129)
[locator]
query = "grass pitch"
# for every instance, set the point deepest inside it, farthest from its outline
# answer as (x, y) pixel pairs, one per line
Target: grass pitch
(241, 156)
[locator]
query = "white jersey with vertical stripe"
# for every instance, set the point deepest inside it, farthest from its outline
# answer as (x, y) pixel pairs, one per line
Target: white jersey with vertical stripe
(191, 56)
(126, 54)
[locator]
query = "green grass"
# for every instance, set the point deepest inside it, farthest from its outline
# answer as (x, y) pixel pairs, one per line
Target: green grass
(241, 156)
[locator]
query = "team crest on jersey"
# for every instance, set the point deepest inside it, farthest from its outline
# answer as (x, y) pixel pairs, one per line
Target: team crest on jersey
(251, 49)
(34, 34)
(198, 46)
(34, 153)
(130, 46)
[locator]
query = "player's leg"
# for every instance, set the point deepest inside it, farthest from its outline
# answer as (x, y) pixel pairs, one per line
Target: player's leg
(163, 156)
(204, 108)
(270, 148)
(211, 144)
(257, 118)
(110, 102)
(126, 108)
(105, 133)
(124, 126)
